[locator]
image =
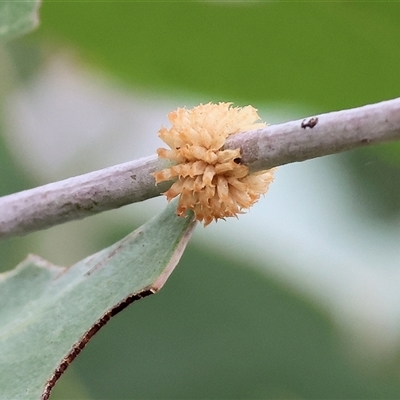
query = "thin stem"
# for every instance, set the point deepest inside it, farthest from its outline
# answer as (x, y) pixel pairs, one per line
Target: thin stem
(318, 136)
(80, 196)
(274, 145)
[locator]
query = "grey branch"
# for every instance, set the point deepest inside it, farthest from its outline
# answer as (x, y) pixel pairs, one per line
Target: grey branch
(122, 184)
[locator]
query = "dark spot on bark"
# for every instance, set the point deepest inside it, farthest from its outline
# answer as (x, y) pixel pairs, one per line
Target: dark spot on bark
(133, 177)
(79, 207)
(310, 123)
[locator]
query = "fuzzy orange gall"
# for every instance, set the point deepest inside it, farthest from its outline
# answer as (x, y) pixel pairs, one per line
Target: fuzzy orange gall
(209, 180)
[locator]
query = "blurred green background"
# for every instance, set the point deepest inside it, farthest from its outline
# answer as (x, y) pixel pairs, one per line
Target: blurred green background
(219, 329)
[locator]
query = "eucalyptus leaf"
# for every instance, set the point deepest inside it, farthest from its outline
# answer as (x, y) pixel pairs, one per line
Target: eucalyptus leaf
(49, 313)
(18, 17)
(326, 55)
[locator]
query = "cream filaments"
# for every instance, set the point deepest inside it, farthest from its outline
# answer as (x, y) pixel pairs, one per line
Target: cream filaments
(209, 180)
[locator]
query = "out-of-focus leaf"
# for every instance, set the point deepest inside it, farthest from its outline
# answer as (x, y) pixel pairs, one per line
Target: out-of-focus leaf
(13, 178)
(329, 55)
(388, 153)
(375, 173)
(49, 313)
(221, 322)
(18, 17)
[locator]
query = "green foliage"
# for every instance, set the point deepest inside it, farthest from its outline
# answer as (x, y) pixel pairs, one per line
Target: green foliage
(47, 310)
(217, 321)
(18, 17)
(328, 55)
(375, 175)
(221, 330)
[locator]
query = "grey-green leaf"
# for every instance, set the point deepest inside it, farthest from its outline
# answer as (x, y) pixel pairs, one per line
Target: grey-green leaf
(49, 313)
(18, 17)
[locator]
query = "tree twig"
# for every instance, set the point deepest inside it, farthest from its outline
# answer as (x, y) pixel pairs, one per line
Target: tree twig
(122, 184)
(319, 136)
